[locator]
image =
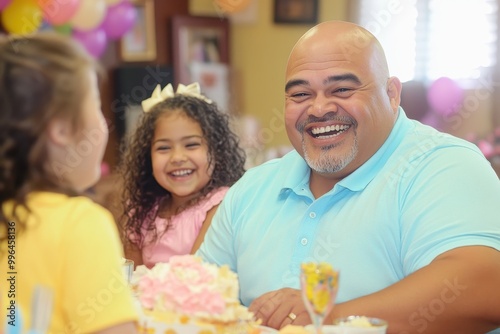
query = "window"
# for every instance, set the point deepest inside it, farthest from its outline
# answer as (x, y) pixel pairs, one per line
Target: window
(428, 39)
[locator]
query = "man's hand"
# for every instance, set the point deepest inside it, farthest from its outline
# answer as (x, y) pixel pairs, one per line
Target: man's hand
(276, 308)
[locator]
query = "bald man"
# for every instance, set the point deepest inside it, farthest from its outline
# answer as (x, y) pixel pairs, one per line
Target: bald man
(408, 215)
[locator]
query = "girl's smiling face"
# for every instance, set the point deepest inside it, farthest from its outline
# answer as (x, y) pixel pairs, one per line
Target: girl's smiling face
(179, 156)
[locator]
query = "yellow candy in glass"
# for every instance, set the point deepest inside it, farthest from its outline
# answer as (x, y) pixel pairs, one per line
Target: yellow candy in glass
(320, 281)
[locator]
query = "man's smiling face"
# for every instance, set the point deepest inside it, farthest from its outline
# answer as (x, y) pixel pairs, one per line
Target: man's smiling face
(340, 102)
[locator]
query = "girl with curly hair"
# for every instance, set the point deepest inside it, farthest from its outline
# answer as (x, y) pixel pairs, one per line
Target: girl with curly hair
(52, 141)
(177, 167)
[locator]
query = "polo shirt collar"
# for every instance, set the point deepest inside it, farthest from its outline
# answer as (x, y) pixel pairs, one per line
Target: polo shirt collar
(361, 177)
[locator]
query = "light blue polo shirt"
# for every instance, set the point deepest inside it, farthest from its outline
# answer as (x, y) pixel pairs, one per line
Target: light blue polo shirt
(421, 194)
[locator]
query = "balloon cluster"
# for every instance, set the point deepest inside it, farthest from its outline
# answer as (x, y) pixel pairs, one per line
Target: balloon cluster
(431, 105)
(91, 22)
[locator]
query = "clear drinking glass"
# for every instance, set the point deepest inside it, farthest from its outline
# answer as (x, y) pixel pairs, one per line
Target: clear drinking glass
(319, 285)
(128, 269)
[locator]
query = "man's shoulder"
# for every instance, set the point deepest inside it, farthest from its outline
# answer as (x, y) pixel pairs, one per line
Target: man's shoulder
(428, 139)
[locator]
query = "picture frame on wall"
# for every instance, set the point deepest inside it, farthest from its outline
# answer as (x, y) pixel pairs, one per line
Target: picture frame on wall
(139, 43)
(296, 11)
(198, 39)
(201, 54)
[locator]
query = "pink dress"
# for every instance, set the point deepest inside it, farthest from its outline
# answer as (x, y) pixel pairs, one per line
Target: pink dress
(182, 231)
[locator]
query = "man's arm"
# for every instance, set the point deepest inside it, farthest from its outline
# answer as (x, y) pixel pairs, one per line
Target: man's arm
(458, 292)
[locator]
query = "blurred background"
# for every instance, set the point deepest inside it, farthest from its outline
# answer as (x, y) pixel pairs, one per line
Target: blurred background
(446, 53)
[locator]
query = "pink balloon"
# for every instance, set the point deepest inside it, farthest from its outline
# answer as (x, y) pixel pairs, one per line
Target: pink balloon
(94, 41)
(4, 3)
(57, 12)
(119, 19)
(445, 96)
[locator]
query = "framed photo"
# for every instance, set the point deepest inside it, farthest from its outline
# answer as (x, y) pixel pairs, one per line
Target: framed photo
(201, 54)
(296, 11)
(139, 43)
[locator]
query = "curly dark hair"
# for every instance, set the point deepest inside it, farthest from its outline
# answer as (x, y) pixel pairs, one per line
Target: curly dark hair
(142, 193)
(42, 77)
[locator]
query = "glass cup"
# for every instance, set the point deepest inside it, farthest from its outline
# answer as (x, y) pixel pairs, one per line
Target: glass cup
(319, 285)
(128, 269)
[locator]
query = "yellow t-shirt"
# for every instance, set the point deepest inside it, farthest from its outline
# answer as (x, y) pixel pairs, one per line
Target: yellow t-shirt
(72, 246)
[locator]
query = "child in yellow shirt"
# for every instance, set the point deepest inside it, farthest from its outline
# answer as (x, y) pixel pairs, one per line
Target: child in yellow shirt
(52, 140)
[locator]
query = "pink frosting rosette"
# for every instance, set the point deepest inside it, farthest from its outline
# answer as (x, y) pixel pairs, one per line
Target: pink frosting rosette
(186, 285)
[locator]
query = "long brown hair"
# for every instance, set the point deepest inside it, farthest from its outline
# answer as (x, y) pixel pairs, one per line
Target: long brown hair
(41, 78)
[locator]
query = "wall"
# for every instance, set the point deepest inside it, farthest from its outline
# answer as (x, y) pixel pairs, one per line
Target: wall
(259, 52)
(163, 10)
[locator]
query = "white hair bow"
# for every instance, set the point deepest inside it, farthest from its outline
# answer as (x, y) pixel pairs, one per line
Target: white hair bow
(160, 95)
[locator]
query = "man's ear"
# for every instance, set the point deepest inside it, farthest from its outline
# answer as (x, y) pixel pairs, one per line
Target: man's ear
(59, 132)
(394, 92)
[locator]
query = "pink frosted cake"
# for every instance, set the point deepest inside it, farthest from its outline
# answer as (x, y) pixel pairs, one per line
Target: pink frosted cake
(187, 295)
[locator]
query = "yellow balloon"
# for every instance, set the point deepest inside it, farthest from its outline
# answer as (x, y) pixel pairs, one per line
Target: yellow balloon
(89, 15)
(22, 17)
